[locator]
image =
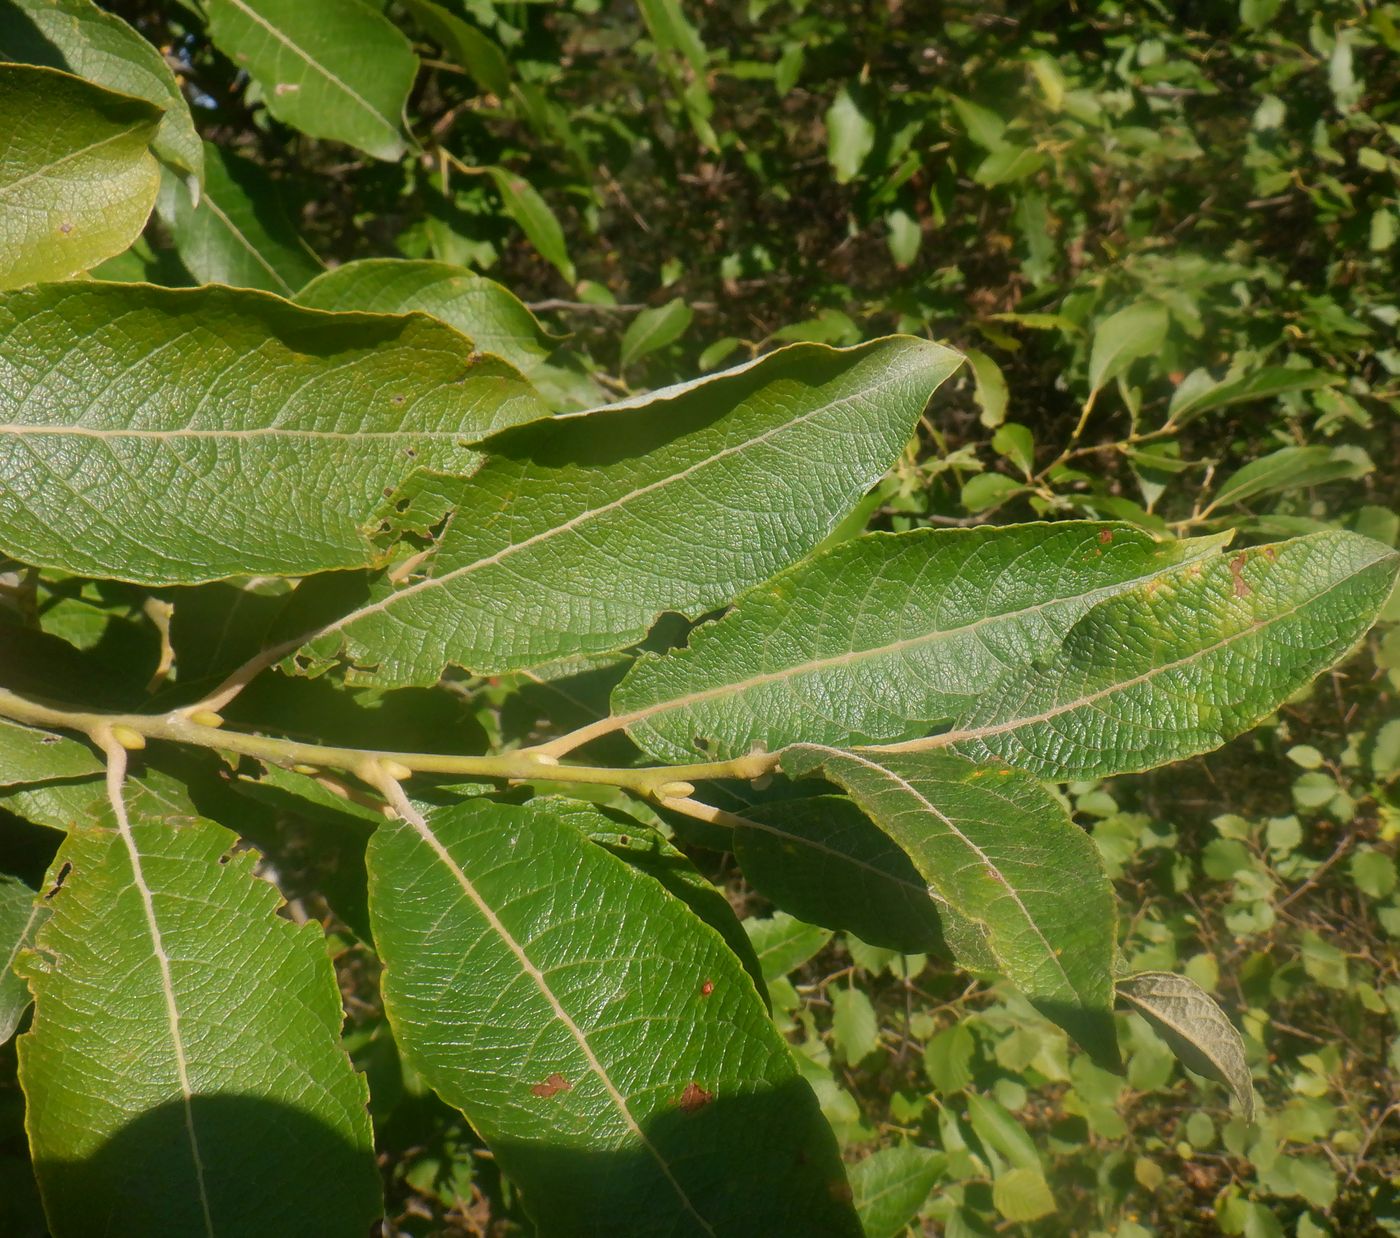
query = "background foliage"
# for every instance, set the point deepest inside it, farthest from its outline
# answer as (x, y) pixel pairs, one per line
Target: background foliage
(1117, 213)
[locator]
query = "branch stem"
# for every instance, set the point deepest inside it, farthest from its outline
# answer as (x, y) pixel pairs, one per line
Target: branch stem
(665, 782)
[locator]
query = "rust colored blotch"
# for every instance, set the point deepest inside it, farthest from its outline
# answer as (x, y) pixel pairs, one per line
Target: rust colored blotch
(707, 988)
(695, 1098)
(839, 1191)
(555, 1083)
(1105, 536)
(1242, 590)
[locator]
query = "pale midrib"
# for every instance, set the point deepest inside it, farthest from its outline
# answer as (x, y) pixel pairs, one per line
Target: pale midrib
(1181, 1029)
(237, 232)
(948, 738)
(434, 582)
(50, 168)
(987, 864)
(301, 52)
(856, 656)
(425, 832)
(116, 772)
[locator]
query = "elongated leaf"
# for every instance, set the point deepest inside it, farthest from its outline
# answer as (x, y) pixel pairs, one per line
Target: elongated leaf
(492, 317)
(1289, 468)
(850, 136)
(653, 329)
(1195, 1027)
(1121, 338)
(824, 861)
(677, 501)
(473, 50)
(338, 71)
(77, 178)
(30, 755)
(524, 205)
(891, 1185)
(22, 911)
(1199, 394)
(172, 436)
(168, 1067)
(1001, 852)
(1183, 664)
(605, 1042)
(79, 37)
(882, 635)
(238, 233)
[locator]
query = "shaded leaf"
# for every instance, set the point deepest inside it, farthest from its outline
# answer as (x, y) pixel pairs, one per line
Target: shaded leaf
(605, 1042)
(338, 71)
(216, 432)
(1195, 1027)
(489, 315)
(238, 233)
(1001, 852)
(584, 549)
(473, 50)
(77, 178)
(79, 37)
(155, 1096)
(782, 944)
(22, 911)
(1289, 468)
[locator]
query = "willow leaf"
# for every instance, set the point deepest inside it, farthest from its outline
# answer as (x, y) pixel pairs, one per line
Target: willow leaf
(491, 316)
(1001, 852)
(881, 634)
(77, 36)
(22, 911)
(604, 1041)
(236, 231)
(30, 755)
(339, 71)
(1195, 1027)
(578, 533)
(77, 178)
(172, 1084)
(1183, 664)
(176, 435)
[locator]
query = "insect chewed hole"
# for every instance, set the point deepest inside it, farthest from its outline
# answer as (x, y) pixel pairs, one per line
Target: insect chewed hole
(554, 1084)
(702, 743)
(58, 880)
(624, 839)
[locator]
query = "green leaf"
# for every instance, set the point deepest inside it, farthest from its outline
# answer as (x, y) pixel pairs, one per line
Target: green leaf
(1198, 393)
(605, 1042)
(216, 432)
(238, 233)
(167, 1067)
(77, 178)
(1182, 664)
(1195, 1028)
(1022, 1195)
(22, 911)
(523, 204)
(1121, 338)
(999, 850)
(948, 1059)
(850, 136)
(905, 237)
(989, 490)
(471, 49)
(652, 329)
(891, 1185)
(820, 859)
(854, 1029)
(997, 1129)
(489, 315)
(990, 388)
(883, 635)
(339, 71)
(1008, 164)
(1289, 468)
(782, 944)
(762, 461)
(77, 36)
(29, 755)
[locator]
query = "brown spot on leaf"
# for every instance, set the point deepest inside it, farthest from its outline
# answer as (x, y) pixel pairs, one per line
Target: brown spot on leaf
(65, 227)
(1105, 536)
(694, 1098)
(1270, 553)
(1242, 589)
(839, 1190)
(554, 1084)
(707, 988)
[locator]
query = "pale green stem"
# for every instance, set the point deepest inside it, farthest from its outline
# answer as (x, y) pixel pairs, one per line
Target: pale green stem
(661, 783)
